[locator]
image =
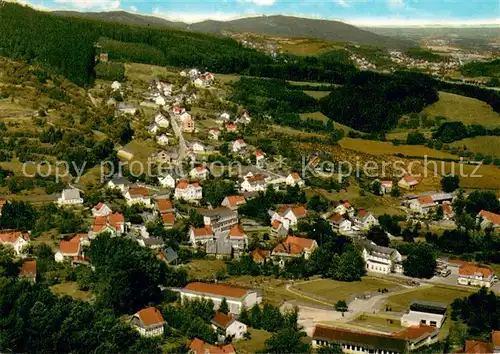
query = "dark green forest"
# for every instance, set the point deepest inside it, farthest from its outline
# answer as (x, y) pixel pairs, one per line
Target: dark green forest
(66, 45)
(373, 102)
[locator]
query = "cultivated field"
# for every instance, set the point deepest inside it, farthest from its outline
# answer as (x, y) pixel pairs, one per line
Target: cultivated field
(332, 290)
(205, 268)
(486, 145)
(464, 109)
(445, 294)
(473, 177)
(374, 147)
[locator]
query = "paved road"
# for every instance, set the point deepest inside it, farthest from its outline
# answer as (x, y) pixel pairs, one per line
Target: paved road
(178, 133)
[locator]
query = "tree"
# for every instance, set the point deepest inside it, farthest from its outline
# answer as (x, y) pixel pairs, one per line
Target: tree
(415, 138)
(376, 187)
(224, 307)
(378, 235)
(450, 183)
(481, 200)
(421, 262)
(317, 203)
(350, 266)
(395, 192)
(341, 306)
(8, 266)
(330, 349)
(480, 311)
(286, 341)
(18, 215)
(196, 219)
(215, 190)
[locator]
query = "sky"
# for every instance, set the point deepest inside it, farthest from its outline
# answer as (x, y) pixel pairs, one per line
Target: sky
(358, 12)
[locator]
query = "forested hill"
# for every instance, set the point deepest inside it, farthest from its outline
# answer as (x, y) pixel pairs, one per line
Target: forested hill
(66, 44)
(283, 26)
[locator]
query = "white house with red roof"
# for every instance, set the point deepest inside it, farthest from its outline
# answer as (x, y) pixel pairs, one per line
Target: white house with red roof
(288, 215)
(188, 191)
(385, 187)
(228, 326)
(238, 145)
(138, 195)
(199, 173)
(28, 271)
(69, 249)
(293, 247)
(148, 322)
(197, 346)
(187, 122)
(167, 180)
(164, 205)
(408, 182)
(259, 157)
(254, 183)
(345, 207)
(422, 205)
(340, 223)
(233, 202)
(487, 219)
(178, 110)
(114, 223)
(365, 219)
(101, 209)
(161, 120)
(231, 128)
(200, 235)
(16, 239)
(238, 237)
(293, 179)
(475, 275)
(214, 133)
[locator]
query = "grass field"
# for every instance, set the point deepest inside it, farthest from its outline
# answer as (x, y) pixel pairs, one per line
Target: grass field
(486, 145)
(464, 109)
(317, 94)
(71, 289)
(205, 268)
(474, 177)
(294, 132)
(332, 290)
(374, 147)
(141, 150)
(445, 294)
(307, 46)
(255, 344)
(322, 118)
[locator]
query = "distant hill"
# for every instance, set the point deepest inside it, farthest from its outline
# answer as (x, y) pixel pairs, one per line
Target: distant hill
(123, 17)
(281, 26)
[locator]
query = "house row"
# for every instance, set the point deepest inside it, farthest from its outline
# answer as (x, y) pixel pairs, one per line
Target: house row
(348, 219)
(259, 182)
(475, 275)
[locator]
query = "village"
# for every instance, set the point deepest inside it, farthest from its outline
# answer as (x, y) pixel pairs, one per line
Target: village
(225, 230)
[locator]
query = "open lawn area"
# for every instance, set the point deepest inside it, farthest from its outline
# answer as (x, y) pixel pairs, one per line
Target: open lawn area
(145, 72)
(294, 132)
(378, 322)
(255, 344)
(464, 109)
(446, 294)
(473, 177)
(71, 289)
(141, 150)
(332, 290)
(205, 268)
(486, 145)
(307, 46)
(375, 147)
(317, 94)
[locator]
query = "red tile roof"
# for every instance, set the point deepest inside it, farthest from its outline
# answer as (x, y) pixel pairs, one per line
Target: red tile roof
(28, 269)
(302, 242)
(115, 219)
(235, 200)
(410, 179)
(164, 204)
(99, 206)
(217, 289)
(295, 176)
(288, 248)
(197, 346)
(70, 247)
(222, 320)
(495, 338)
(202, 231)
(150, 316)
(362, 212)
(491, 217)
(256, 178)
(425, 200)
(478, 347)
(259, 153)
(182, 184)
(168, 218)
(336, 218)
(447, 209)
(138, 191)
(415, 332)
(99, 223)
(297, 210)
(260, 255)
(276, 224)
(10, 236)
(347, 204)
(470, 269)
(237, 231)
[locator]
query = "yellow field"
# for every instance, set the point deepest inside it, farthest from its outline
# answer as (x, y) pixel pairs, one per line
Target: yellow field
(400, 301)
(487, 145)
(374, 147)
(464, 109)
(294, 132)
(474, 177)
(307, 46)
(332, 290)
(317, 94)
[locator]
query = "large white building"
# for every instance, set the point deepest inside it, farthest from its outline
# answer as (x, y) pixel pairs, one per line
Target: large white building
(381, 259)
(188, 191)
(475, 275)
(219, 219)
(236, 297)
(70, 197)
(426, 313)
